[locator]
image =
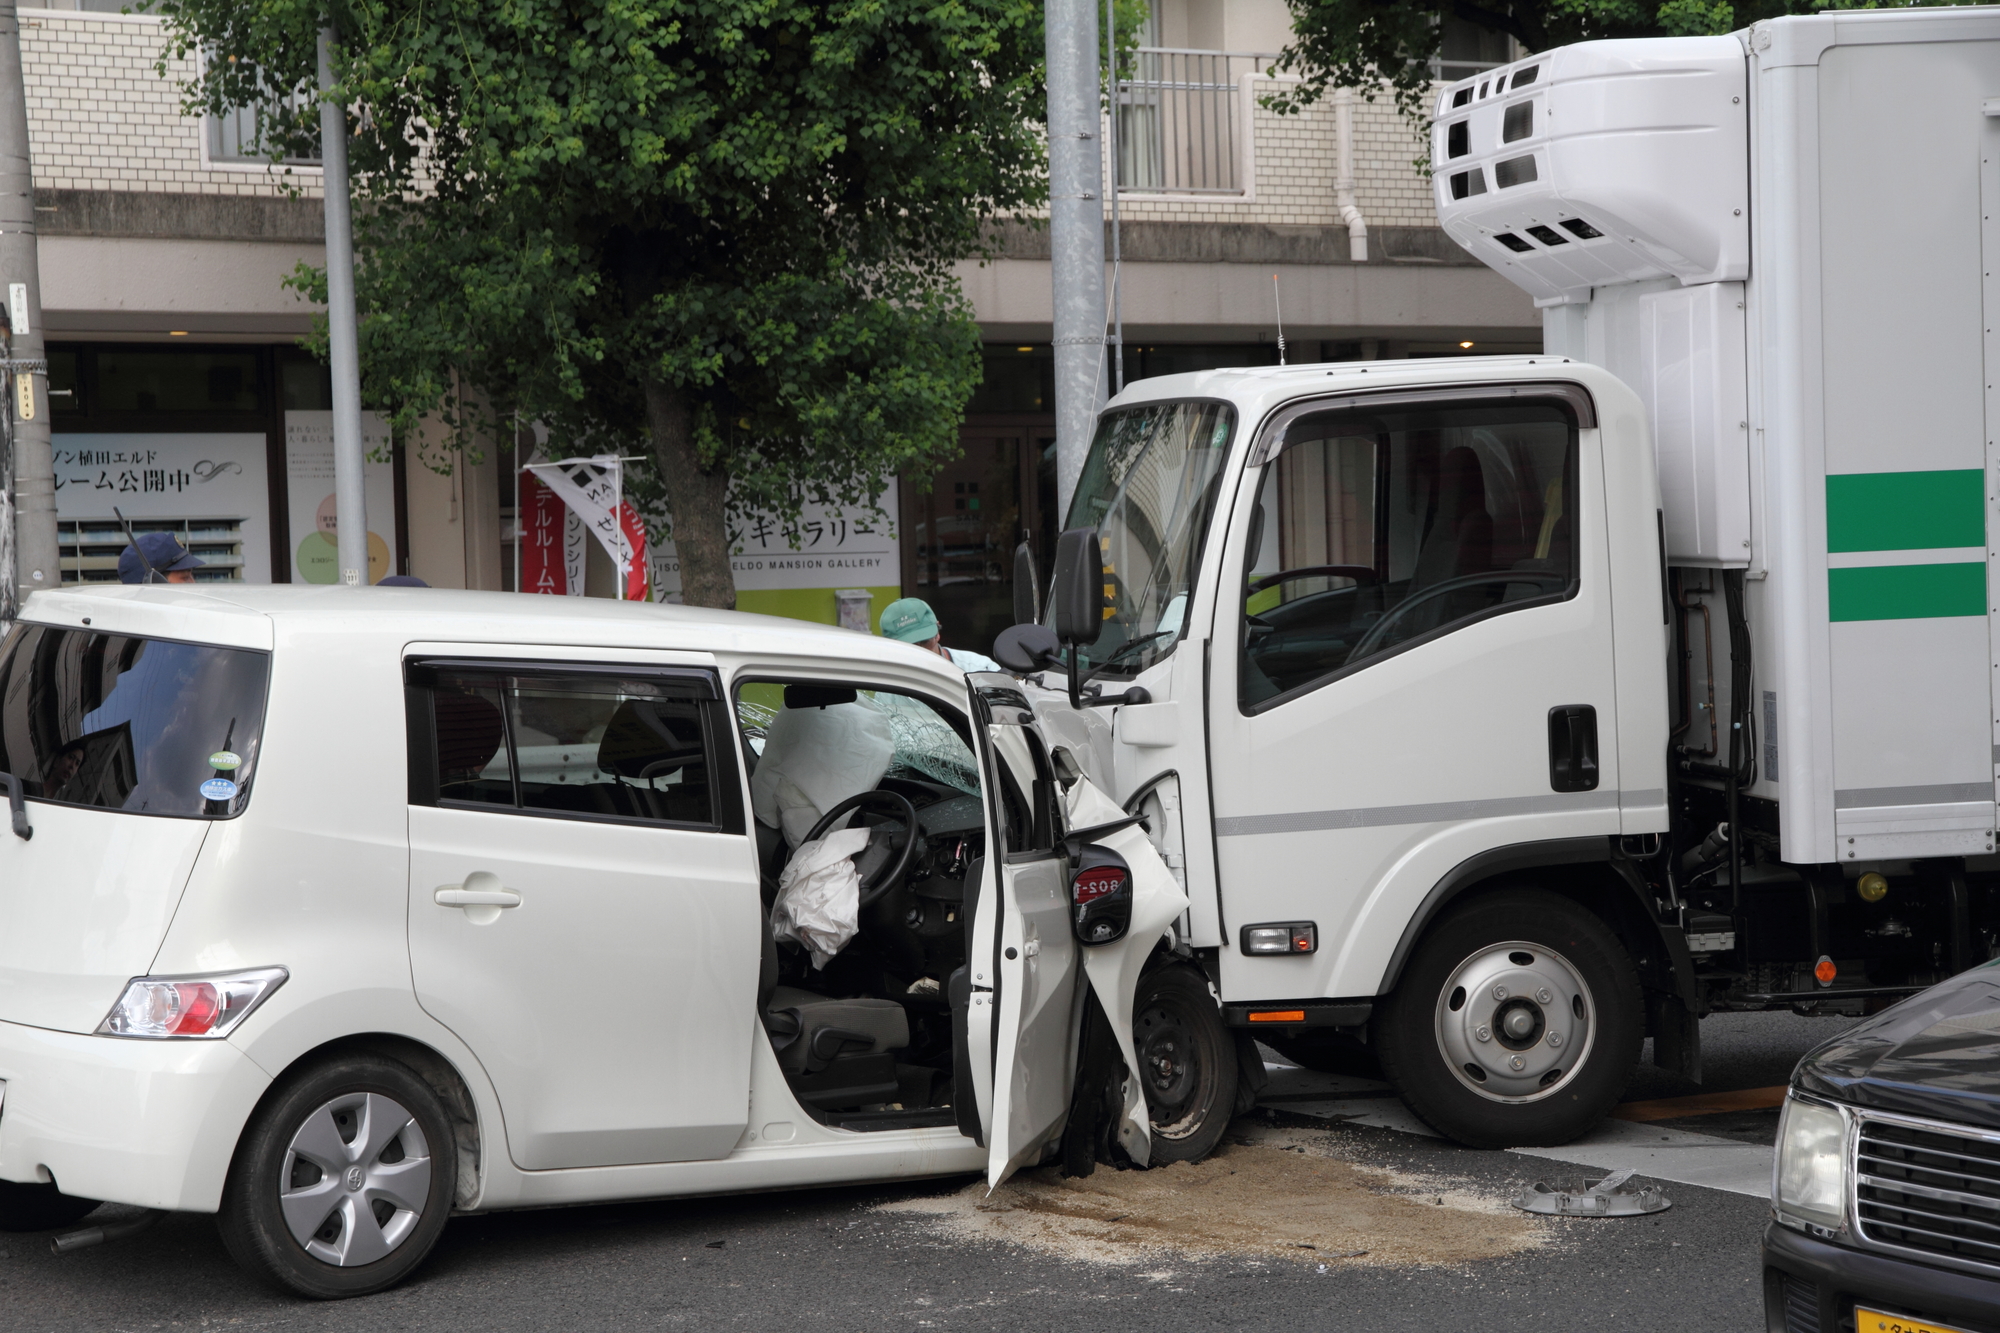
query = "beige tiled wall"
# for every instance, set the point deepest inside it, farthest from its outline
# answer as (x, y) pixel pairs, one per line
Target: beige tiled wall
(100, 117)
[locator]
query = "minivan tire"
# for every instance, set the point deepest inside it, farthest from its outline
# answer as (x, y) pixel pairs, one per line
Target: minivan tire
(1523, 944)
(373, 1212)
(1187, 1064)
(39, 1207)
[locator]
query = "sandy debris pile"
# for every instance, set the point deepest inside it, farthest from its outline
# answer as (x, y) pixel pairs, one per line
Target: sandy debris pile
(1270, 1196)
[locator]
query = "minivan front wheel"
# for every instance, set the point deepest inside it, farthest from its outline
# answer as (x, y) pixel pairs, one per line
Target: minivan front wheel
(343, 1181)
(1187, 1063)
(1516, 1023)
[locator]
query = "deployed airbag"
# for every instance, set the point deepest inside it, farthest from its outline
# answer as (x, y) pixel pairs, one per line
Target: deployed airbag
(815, 758)
(819, 895)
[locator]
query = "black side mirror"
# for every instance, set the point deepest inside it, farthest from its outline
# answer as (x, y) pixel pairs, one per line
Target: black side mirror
(1078, 589)
(1027, 587)
(1027, 648)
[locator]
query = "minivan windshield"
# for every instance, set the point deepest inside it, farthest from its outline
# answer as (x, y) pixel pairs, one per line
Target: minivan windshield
(1149, 487)
(148, 726)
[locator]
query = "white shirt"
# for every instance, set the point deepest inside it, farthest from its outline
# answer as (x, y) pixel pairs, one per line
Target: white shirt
(966, 661)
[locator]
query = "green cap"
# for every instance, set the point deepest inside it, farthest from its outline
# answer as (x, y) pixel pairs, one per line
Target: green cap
(910, 620)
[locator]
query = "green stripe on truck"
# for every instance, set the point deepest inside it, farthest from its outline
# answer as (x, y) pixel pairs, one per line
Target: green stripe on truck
(1905, 511)
(1906, 592)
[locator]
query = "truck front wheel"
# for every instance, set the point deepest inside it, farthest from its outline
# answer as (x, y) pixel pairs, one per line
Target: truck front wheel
(1516, 1023)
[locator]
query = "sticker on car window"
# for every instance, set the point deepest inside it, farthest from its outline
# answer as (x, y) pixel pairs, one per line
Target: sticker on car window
(218, 789)
(223, 759)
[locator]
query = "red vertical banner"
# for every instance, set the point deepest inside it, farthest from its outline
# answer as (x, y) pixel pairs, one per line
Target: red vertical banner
(638, 575)
(542, 519)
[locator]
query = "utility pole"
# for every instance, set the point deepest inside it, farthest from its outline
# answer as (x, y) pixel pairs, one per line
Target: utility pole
(349, 497)
(33, 485)
(1076, 233)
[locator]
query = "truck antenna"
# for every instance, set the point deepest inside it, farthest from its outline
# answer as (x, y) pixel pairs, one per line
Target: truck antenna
(1280, 307)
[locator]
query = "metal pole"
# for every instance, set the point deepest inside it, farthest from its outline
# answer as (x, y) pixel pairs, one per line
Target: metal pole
(349, 498)
(37, 563)
(1076, 233)
(1117, 349)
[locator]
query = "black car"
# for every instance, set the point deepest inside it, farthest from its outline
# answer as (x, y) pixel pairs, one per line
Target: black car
(1886, 1194)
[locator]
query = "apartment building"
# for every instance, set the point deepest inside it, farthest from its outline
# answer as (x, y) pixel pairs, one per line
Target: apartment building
(181, 398)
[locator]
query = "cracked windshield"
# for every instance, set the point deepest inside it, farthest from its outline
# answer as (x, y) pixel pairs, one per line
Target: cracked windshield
(1149, 487)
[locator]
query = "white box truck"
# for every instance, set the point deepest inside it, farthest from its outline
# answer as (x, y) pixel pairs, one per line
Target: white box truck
(1503, 712)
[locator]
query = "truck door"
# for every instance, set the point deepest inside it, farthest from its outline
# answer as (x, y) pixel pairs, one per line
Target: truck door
(1412, 664)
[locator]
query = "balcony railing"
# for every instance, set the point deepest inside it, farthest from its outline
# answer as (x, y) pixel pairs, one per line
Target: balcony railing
(1183, 119)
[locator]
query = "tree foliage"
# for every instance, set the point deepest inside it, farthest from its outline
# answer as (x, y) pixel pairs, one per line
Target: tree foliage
(723, 228)
(1365, 44)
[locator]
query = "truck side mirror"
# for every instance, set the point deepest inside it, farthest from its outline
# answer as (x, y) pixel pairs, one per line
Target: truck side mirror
(1027, 648)
(1078, 588)
(1027, 586)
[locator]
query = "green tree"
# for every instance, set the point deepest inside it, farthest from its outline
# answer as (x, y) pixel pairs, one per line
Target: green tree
(1362, 44)
(722, 228)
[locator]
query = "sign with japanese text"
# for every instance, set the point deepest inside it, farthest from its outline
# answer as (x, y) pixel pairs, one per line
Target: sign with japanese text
(552, 539)
(310, 502)
(855, 548)
(197, 479)
(594, 490)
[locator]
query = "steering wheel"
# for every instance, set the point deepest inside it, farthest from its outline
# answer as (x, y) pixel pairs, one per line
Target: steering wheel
(1380, 629)
(1361, 574)
(883, 861)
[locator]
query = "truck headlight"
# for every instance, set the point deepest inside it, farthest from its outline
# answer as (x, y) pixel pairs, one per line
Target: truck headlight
(1809, 1183)
(209, 1006)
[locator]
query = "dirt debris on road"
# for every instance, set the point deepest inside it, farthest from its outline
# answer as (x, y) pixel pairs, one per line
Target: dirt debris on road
(1270, 1193)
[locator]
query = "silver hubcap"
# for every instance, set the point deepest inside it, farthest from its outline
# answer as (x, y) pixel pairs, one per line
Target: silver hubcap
(356, 1177)
(1514, 1021)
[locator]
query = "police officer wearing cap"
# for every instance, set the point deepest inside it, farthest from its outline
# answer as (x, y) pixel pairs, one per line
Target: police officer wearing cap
(155, 557)
(911, 620)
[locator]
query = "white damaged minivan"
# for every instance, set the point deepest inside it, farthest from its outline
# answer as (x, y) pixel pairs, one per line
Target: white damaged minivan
(335, 912)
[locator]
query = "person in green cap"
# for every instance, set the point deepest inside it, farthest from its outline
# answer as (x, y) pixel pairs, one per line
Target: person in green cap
(911, 620)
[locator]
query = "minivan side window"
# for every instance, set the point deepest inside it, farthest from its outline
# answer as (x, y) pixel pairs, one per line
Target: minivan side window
(117, 722)
(1379, 530)
(577, 742)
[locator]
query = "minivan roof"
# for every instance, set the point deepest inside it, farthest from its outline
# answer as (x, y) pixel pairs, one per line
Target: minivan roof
(257, 615)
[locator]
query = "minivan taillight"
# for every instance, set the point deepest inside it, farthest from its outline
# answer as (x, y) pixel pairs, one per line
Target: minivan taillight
(1100, 895)
(210, 1006)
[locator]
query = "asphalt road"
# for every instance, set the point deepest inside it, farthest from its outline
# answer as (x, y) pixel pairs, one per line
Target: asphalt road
(831, 1260)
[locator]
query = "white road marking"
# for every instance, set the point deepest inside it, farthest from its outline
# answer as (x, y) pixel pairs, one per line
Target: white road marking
(1672, 1155)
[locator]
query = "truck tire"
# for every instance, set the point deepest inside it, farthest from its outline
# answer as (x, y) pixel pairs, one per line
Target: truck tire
(1187, 1064)
(343, 1181)
(1516, 1023)
(39, 1207)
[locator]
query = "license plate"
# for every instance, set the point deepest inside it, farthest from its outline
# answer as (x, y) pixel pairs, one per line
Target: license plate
(1875, 1321)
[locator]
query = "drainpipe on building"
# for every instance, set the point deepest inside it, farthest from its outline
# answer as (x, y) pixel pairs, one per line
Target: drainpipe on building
(1076, 233)
(33, 485)
(1343, 180)
(349, 498)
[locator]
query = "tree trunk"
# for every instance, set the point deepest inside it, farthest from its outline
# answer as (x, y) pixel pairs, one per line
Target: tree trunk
(696, 499)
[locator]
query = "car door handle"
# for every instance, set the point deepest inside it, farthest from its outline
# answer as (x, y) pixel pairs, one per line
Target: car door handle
(451, 895)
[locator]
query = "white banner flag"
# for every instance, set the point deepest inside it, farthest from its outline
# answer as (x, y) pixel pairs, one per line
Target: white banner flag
(593, 488)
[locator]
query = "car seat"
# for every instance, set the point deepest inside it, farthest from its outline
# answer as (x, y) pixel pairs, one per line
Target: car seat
(836, 1054)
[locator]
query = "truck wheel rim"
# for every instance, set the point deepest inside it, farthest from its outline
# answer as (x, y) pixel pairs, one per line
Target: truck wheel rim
(1515, 1021)
(356, 1177)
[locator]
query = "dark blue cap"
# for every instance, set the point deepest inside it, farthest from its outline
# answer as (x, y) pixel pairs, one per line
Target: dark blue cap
(162, 552)
(402, 581)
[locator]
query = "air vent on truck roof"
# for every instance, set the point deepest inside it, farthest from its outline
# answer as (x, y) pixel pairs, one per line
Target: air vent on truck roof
(1518, 123)
(1458, 138)
(1524, 77)
(1548, 235)
(1465, 184)
(1580, 229)
(1461, 97)
(1514, 171)
(1513, 242)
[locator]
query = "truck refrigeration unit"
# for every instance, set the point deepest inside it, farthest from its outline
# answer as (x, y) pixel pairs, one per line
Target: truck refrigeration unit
(1503, 712)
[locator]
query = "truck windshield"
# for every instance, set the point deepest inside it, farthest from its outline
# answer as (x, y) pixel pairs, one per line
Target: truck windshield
(147, 726)
(1149, 487)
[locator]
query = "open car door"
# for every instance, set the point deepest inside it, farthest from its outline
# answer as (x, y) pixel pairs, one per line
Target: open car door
(1025, 963)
